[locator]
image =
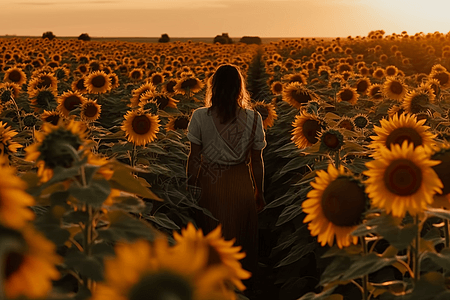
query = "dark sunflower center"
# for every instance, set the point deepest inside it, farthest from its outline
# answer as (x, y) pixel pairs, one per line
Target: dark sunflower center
(136, 75)
(263, 111)
(98, 81)
(391, 71)
(71, 102)
(54, 150)
(170, 85)
(44, 98)
(162, 101)
(157, 79)
(396, 88)
(443, 170)
(141, 124)
(418, 102)
(402, 177)
(376, 92)
(53, 119)
(188, 83)
(90, 110)
(346, 95)
(278, 88)
(399, 135)
(15, 76)
(213, 256)
(310, 129)
(361, 122)
(301, 97)
(442, 77)
(162, 286)
(80, 84)
(346, 124)
(343, 202)
(29, 120)
(181, 123)
(331, 141)
(44, 82)
(362, 86)
(378, 74)
(12, 263)
(82, 69)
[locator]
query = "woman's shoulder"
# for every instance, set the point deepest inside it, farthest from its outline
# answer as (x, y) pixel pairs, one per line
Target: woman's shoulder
(200, 112)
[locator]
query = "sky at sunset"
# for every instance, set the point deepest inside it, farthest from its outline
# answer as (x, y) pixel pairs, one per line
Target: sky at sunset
(208, 18)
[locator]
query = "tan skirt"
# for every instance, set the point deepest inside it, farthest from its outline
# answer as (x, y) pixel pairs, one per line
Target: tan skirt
(227, 192)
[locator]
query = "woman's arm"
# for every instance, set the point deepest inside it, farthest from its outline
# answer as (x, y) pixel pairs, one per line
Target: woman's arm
(193, 164)
(257, 166)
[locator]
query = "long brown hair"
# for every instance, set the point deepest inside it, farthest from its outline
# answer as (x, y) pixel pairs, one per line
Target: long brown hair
(226, 91)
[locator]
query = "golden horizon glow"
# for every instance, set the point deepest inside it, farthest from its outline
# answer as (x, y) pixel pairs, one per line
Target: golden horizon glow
(207, 18)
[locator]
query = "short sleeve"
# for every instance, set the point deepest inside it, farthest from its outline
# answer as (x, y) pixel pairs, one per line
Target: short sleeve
(260, 137)
(194, 130)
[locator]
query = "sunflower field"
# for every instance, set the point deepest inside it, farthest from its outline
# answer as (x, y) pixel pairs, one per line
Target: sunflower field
(93, 198)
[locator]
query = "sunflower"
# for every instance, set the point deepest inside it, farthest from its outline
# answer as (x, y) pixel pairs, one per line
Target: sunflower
(361, 121)
(161, 99)
(51, 117)
(391, 71)
(180, 122)
(46, 80)
(394, 88)
(90, 110)
(114, 80)
(276, 88)
(297, 94)
(43, 98)
(346, 123)
(191, 84)
(15, 75)
(379, 73)
(168, 87)
(8, 90)
(140, 127)
(296, 77)
(362, 85)
(69, 101)
(402, 179)
(306, 130)
(267, 112)
(347, 94)
(30, 267)
(137, 93)
(14, 201)
(50, 149)
(342, 67)
(136, 74)
(416, 101)
(156, 78)
(443, 77)
(78, 85)
(402, 128)
(97, 82)
(221, 252)
(375, 92)
(30, 120)
(331, 140)
(7, 145)
(335, 206)
(431, 84)
(140, 269)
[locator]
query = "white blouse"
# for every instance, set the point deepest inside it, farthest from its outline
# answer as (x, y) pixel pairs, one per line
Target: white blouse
(203, 131)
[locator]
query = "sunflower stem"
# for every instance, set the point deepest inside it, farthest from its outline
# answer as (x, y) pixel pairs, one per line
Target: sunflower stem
(337, 160)
(365, 279)
(88, 241)
(17, 113)
(133, 158)
(446, 234)
(416, 252)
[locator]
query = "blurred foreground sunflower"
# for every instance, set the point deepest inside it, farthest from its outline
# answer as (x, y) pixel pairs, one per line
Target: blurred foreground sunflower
(29, 271)
(335, 206)
(52, 143)
(402, 128)
(140, 127)
(402, 180)
(14, 201)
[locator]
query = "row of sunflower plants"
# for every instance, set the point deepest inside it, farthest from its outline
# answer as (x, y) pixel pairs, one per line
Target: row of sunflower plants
(364, 159)
(97, 134)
